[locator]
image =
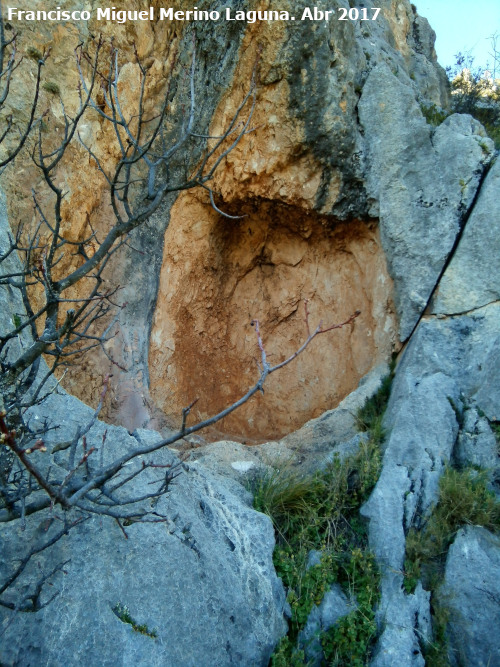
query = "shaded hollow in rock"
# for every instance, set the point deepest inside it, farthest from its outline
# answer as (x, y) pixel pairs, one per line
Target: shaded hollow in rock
(220, 274)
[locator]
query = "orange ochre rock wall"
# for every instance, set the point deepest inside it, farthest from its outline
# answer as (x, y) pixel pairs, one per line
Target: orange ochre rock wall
(219, 274)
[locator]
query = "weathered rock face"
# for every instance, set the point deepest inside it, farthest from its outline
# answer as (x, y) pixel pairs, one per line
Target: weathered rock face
(204, 580)
(471, 590)
(303, 179)
(467, 282)
(264, 266)
(451, 360)
(422, 181)
(354, 202)
(300, 171)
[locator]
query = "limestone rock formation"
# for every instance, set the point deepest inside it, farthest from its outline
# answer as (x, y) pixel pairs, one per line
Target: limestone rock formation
(450, 361)
(203, 582)
(471, 589)
(466, 283)
(350, 200)
(303, 179)
(423, 181)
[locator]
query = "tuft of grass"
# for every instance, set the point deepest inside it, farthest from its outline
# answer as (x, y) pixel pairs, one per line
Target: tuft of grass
(464, 498)
(122, 612)
(433, 114)
(282, 493)
(370, 417)
(33, 53)
(52, 88)
(321, 512)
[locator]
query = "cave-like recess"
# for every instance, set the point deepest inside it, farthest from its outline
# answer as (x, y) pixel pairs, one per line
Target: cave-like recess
(220, 274)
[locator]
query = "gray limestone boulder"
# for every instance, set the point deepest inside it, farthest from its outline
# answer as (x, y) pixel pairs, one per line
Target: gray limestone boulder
(472, 278)
(202, 580)
(421, 182)
(406, 626)
(471, 592)
(476, 444)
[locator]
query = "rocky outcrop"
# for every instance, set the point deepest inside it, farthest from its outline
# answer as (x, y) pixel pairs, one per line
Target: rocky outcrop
(466, 283)
(353, 201)
(264, 266)
(304, 179)
(422, 181)
(448, 367)
(203, 581)
(309, 163)
(471, 592)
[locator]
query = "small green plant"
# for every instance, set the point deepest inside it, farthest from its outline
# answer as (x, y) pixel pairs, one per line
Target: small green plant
(52, 88)
(122, 612)
(307, 587)
(464, 498)
(433, 114)
(33, 53)
(321, 512)
(411, 573)
(287, 655)
(16, 320)
(348, 641)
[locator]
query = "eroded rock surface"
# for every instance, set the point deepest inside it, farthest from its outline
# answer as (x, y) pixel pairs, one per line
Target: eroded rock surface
(467, 282)
(303, 175)
(471, 592)
(422, 182)
(203, 580)
(450, 365)
(301, 171)
(264, 267)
